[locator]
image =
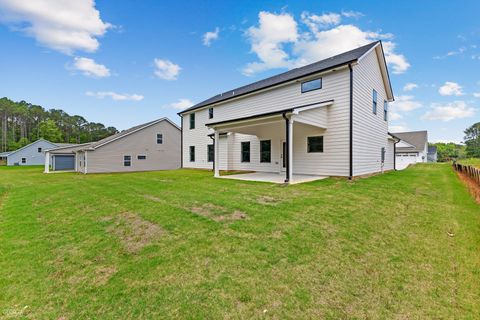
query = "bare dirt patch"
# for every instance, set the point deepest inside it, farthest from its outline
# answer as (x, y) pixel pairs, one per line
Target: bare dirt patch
(134, 232)
(473, 187)
(268, 200)
(218, 213)
(103, 274)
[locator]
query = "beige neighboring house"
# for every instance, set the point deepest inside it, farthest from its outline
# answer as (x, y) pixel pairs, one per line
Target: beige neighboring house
(151, 146)
(329, 118)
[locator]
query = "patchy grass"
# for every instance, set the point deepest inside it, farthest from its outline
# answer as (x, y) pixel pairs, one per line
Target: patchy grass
(475, 162)
(403, 245)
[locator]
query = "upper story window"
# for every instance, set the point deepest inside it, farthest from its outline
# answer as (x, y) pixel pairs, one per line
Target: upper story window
(192, 120)
(39, 150)
(24, 160)
(246, 151)
(141, 157)
(159, 138)
(210, 113)
(266, 151)
(315, 144)
(385, 110)
(312, 85)
(374, 97)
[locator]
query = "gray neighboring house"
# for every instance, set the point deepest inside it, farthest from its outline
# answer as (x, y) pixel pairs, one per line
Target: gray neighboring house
(412, 148)
(150, 146)
(432, 154)
(31, 154)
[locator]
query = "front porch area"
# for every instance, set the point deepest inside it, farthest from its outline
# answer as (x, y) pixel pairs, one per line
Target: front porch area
(273, 177)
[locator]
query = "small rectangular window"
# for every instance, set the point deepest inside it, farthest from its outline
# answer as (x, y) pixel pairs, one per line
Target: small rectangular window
(385, 110)
(192, 121)
(141, 157)
(127, 161)
(266, 151)
(383, 154)
(159, 138)
(39, 150)
(315, 144)
(374, 101)
(312, 85)
(246, 151)
(210, 113)
(24, 160)
(210, 152)
(192, 153)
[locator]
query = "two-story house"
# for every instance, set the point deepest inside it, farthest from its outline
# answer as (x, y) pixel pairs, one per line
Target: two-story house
(329, 118)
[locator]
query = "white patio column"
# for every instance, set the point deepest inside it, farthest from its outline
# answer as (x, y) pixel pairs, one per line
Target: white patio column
(216, 154)
(47, 162)
(290, 149)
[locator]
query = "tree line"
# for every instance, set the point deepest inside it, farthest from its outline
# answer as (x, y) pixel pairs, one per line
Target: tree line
(452, 151)
(23, 123)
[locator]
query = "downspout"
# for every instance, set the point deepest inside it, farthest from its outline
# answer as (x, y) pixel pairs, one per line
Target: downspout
(287, 143)
(181, 141)
(350, 176)
(213, 139)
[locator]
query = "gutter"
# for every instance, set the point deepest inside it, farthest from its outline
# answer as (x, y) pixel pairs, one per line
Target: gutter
(350, 175)
(213, 139)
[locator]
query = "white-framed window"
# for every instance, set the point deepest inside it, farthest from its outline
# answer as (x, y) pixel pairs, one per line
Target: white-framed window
(159, 138)
(192, 153)
(311, 85)
(127, 161)
(210, 113)
(374, 103)
(245, 151)
(39, 150)
(385, 110)
(24, 160)
(141, 157)
(315, 144)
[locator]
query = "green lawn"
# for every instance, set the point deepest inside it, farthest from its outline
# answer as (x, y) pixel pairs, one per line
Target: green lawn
(471, 162)
(181, 244)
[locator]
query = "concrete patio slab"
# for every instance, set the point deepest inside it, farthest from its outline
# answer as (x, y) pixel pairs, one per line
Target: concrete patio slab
(273, 177)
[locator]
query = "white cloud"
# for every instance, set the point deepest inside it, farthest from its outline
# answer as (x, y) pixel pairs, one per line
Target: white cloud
(399, 128)
(90, 68)
(449, 111)
(316, 22)
(410, 86)
(210, 36)
(476, 94)
(167, 70)
(279, 42)
(404, 104)
(451, 53)
(114, 96)
(393, 115)
(450, 89)
(352, 14)
(267, 41)
(181, 104)
(64, 25)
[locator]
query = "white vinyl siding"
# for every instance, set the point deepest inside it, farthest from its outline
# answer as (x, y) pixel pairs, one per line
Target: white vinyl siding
(166, 156)
(335, 162)
(31, 154)
(370, 131)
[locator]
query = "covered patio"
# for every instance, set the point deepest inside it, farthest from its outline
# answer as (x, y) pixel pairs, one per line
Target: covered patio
(273, 177)
(286, 132)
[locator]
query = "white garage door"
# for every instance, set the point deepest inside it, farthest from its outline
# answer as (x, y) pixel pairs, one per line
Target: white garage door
(402, 161)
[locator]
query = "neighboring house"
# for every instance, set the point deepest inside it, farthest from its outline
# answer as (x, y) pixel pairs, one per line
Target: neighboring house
(412, 148)
(432, 154)
(31, 154)
(329, 118)
(151, 146)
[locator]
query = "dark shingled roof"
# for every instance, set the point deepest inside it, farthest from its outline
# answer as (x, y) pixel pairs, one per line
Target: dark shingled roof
(415, 138)
(322, 65)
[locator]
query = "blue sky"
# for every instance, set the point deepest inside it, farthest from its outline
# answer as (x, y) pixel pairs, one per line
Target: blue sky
(127, 62)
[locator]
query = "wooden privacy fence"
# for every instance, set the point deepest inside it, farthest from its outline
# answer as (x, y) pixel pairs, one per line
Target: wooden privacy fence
(470, 171)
